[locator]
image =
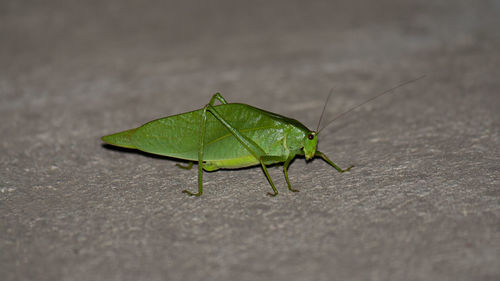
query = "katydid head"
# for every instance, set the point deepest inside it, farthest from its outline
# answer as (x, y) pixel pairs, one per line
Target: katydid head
(310, 144)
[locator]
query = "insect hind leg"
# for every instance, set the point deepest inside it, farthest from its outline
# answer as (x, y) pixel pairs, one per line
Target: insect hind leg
(217, 96)
(248, 143)
(201, 148)
(188, 166)
(206, 166)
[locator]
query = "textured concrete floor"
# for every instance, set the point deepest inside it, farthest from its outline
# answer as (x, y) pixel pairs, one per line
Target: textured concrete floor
(422, 202)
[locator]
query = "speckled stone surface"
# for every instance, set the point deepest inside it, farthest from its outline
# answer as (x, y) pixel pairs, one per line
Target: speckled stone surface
(422, 202)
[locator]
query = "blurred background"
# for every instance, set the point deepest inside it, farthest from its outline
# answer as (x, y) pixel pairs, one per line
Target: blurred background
(421, 203)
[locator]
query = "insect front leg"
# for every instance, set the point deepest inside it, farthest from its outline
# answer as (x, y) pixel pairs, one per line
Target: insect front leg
(323, 156)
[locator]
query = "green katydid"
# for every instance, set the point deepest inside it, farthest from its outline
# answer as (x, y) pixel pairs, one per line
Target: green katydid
(229, 136)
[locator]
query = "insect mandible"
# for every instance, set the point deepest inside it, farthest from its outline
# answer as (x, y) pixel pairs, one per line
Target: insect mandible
(229, 136)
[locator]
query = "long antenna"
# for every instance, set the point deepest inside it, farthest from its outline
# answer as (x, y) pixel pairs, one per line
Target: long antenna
(369, 100)
(324, 107)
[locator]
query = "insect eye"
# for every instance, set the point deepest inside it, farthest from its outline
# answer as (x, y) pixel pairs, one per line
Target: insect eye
(310, 136)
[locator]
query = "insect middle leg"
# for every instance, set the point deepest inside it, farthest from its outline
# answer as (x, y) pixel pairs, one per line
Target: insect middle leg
(270, 159)
(285, 171)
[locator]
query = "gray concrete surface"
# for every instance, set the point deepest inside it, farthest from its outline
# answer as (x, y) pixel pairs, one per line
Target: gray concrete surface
(422, 202)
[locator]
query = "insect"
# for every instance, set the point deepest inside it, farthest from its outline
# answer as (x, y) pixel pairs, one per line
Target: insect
(229, 136)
